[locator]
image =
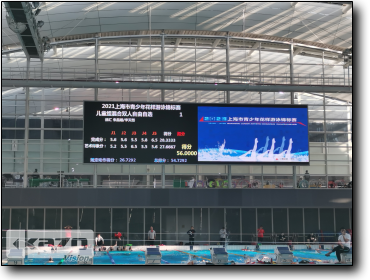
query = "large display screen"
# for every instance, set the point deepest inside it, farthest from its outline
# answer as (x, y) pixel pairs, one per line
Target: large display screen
(117, 132)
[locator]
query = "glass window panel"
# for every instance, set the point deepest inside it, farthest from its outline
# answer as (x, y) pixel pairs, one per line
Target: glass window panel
(264, 220)
(327, 220)
(5, 122)
(311, 222)
(201, 223)
(52, 123)
(20, 123)
(12, 134)
(341, 218)
(152, 219)
(296, 224)
(316, 126)
(249, 224)
(5, 219)
(119, 222)
(337, 137)
(52, 134)
(217, 222)
(280, 221)
(69, 216)
(35, 123)
(72, 134)
(184, 223)
(313, 137)
(72, 123)
(103, 216)
(86, 218)
(52, 218)
(36, 218)
(19, 219)
(136, 226)
(34, 134)
(233, 224)
(337, 126)
(168, 226)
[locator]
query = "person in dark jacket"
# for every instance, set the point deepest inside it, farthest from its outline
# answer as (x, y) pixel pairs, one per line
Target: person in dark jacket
(191, 233)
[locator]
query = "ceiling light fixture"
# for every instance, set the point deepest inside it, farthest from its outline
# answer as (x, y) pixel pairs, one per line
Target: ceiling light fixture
(37, 12)
(40, 23)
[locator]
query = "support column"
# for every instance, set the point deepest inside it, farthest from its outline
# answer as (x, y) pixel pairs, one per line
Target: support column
(259, 68)
(325, 131)
(227, 67)
(228, 97)
(26, 125)
(291, 64)
(163, 179)
(162, 66)
(96, 92)
(42, 126)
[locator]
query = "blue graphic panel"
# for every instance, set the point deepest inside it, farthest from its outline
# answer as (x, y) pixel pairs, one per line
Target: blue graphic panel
(253, 134)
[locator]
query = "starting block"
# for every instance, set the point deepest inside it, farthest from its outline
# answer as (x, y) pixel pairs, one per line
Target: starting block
(347, 257)
(153, 256)
(85, 257)
(219, 256)
(16, 257)
(283, 255)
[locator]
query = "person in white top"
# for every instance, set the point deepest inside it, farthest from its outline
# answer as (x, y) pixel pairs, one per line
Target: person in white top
(99, 241)
(222, 235)
(151, 236)
(344, 241)
(191, 182)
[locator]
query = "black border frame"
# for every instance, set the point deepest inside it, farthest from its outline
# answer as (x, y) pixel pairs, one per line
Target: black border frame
(210, 105)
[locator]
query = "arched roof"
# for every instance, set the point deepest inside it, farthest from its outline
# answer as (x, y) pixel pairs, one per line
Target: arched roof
(316, 22)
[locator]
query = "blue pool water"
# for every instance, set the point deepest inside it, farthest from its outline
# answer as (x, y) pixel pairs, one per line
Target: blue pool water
(176, 257)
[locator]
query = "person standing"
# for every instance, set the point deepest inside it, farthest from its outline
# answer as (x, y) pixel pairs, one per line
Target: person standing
(344, 241)
(99, 241)
(191, 182)
(191, 233)
(151, 236)
(68, 231)
(119, 241)
(260, 232)
(223, 234)
(154, 182)
(282, 237)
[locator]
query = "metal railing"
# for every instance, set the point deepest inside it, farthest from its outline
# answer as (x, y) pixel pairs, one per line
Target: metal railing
(184, 184)
(170, 76)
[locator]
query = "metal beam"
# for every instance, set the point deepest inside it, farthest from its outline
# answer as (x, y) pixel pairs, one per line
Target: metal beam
(162, 66)
(297, 51)
(214, 44)
(178, 41)
(254, 46)
(55, 50)
(178, 86)
(346, 8)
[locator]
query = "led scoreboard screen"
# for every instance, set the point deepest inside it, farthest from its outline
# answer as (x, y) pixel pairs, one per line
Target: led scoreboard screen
(184, 133)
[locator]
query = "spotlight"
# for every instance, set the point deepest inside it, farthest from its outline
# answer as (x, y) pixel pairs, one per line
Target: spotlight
(280, 92)
(215, 84)
(37, 12)
(56, 108)
(117, 82)
(40, 23)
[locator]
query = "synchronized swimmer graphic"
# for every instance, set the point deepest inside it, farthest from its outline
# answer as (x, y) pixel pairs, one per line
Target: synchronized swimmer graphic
(262, 154)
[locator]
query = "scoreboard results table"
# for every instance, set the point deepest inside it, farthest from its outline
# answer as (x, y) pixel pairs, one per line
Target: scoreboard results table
(189, 133)
(118, 132)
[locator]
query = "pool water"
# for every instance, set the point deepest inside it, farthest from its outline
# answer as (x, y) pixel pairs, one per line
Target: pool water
(177, 257)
